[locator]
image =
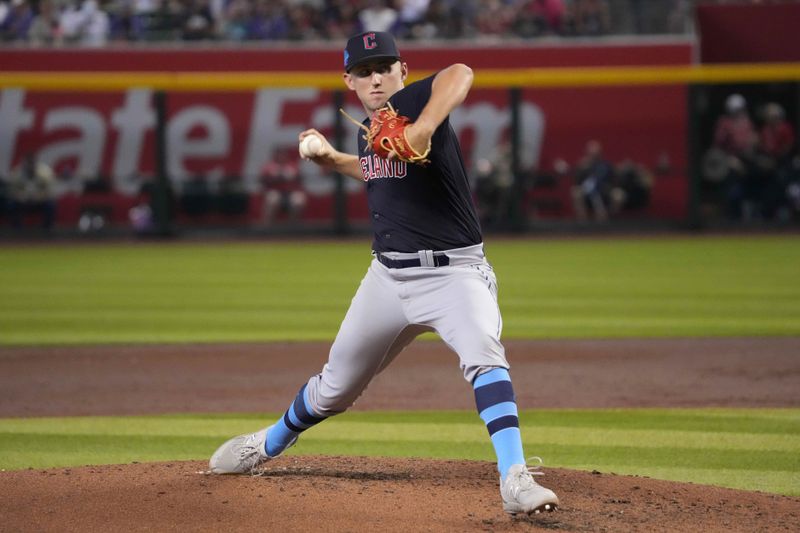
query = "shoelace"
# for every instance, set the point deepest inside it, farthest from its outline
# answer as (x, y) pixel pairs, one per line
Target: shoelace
(249, 452)
(534, 469)
(525, 477)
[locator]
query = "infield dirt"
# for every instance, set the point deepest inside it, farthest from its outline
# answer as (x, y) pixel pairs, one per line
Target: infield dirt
(374, 494)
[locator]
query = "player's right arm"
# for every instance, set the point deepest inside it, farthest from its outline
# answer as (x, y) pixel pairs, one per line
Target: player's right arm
(331, 158)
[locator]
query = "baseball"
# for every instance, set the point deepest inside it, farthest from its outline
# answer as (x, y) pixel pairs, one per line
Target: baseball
(310, 146)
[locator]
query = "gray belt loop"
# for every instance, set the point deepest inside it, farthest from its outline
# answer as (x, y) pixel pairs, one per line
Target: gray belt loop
(426, 258)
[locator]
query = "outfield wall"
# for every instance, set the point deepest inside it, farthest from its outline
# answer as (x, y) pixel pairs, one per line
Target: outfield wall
(235, 133)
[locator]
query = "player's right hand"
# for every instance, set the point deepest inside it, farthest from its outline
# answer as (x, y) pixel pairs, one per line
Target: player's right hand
(325, 156)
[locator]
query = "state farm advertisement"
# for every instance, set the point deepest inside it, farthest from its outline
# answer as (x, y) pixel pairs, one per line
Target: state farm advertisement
(112, 135)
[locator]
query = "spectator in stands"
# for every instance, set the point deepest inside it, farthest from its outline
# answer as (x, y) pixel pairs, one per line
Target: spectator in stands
(269, 21)
(17, 21)
(632, 185)
(734, 132)
(495, 18)
(85, 23)
(441, 21)
(164, 22)
(464, 16)
(31, 189)
(776, 146)
(539, 17)
(140, 217)
(145, 7)
(283, 188)
(552, 11)
(124, 23)
(493, 185)
(70, 20)
(198, 23)
(732, 156)
(237, 17)
(792, 209)
(593, 182)
(776, 135)
(568, 24)
(44, 29)
(159, 20)
(339, 19)
(304, 23)
(411, 14)
(378, 15)
(592, 17)
(528, 24)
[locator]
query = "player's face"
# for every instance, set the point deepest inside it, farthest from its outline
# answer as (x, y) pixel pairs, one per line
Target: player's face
(375, 81)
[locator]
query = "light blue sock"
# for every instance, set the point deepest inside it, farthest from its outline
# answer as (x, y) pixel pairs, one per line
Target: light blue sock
(497, 407)
(295, 420)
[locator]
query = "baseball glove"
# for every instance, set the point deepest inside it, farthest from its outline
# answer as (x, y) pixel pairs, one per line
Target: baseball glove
(387, 133)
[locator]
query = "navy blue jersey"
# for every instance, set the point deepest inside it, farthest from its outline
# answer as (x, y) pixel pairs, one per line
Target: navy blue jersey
(413, 207)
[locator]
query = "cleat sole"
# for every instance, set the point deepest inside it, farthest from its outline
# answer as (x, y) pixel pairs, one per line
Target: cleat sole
(546, 508)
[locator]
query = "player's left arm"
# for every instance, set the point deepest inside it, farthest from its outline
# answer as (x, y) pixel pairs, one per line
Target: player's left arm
(448, 90)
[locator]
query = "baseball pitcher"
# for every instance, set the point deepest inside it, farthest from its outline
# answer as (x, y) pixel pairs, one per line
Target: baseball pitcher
(428, 273)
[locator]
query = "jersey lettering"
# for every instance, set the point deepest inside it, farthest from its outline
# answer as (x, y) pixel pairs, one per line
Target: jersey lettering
(374, 167)
(407, 220)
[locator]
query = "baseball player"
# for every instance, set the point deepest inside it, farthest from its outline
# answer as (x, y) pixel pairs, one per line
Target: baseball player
(428, 272)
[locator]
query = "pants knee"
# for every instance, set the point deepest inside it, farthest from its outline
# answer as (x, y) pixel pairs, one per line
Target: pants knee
(471, 372)
(482, 355)
(326, 400)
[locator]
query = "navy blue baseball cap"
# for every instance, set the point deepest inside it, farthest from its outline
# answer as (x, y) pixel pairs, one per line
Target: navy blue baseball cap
(368, 46)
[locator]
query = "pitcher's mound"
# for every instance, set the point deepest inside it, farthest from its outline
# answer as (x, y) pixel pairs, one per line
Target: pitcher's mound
(366, 494)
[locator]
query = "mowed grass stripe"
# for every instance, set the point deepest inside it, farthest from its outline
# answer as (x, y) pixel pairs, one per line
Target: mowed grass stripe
(24, 450)
(779, 421)
(221, 292)
(780, 482)
(608, 327)
(142, 448)
(411, 432)
(765, 445)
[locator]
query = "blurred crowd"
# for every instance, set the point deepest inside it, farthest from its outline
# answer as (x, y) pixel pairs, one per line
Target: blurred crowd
(30, 189)
(599, 190)
(97, 22)
(752, 169)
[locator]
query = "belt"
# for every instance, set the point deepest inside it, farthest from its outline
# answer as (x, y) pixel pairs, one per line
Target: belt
(430, 260)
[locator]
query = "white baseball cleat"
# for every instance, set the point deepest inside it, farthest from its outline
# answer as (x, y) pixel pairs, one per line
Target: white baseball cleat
(521, 493)
(242, 454)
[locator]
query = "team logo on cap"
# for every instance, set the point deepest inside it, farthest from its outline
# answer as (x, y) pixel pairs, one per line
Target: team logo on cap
(369, 41)
(346, 57)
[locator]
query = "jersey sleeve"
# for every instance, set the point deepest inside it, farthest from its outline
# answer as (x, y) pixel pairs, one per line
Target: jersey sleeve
(412, 99)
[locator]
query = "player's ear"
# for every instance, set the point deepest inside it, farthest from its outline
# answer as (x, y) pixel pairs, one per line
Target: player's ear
(403, 71)
(348, 80)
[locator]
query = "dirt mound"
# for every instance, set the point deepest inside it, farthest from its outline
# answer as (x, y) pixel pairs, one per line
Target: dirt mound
(366, 494)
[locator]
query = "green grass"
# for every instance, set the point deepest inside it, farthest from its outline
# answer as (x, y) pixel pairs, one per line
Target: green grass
(757, 449)
(581, 288)
(264, 291)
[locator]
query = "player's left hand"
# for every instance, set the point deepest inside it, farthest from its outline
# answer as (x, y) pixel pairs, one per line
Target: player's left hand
(394, 136)
(418, 137)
